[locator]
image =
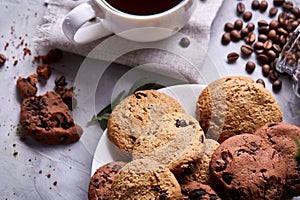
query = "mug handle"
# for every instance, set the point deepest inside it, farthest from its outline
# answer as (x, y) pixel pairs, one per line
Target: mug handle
(73, 24)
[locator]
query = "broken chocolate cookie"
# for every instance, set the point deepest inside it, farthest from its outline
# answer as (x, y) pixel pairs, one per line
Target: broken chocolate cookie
(47, 119)
(27, 86)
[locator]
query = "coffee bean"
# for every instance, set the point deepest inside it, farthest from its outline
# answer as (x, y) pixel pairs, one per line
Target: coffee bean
(268, 44)
(251, 37)
(295, 24)
(2, 59)
(289, 26)
(287, 5)
(259, 51)
(277, 48)
(282, 15)
(263, 6)
(262, 37)
(240, 8)
(262, 22)
(262, 59)
(291, 16)
(278, 2)
(273, 24)
(281, 22)
(228, 27)
(273, 36)
(235, 35)
(277, 85)
(232, 57)
(246, 50)
(247, 16)
(273, 75)
(258, 45)
(244, 32)
(282, 40)
(281, 31)
(238, 24)
(296, 11)
(260, 81)
(255, 4)
(250, 26)
(263, 30)
(265, 70)
(226, 38)
(271, 55)
(184, 42)
(273, 11)
(250, 67)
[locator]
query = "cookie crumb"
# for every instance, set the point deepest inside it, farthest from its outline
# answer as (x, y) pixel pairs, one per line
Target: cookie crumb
(26, 51)
(27, 86)
(55, 183)
(6, 46)
(67, 95)
(44, 71)
(54, 55)
(15, 153)
(60, 82)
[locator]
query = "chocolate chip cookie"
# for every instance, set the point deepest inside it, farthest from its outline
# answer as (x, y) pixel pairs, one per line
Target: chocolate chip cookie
(145, 179)
(195, 190)
(175, 140)
(246, 166)
(135, 115)
(101, 181)
(234, 105)
(199, 169)
(47, 119)
(282, 137)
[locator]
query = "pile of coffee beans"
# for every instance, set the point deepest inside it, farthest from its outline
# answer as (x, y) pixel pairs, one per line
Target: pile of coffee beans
(270, 40)
(292, 51)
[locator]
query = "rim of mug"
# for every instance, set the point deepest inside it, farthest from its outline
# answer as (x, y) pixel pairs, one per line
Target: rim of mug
(124, 14)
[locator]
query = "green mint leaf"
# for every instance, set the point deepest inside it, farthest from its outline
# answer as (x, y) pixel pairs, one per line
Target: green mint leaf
(139, 85)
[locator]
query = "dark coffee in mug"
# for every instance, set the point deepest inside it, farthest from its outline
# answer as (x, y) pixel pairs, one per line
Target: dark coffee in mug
(143, 7)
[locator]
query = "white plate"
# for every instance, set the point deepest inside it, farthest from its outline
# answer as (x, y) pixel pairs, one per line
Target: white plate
(187, 95)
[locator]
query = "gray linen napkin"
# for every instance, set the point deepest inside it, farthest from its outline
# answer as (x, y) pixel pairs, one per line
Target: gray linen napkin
(49, 35)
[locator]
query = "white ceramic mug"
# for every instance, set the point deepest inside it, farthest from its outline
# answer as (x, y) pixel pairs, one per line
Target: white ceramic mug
(96, 19)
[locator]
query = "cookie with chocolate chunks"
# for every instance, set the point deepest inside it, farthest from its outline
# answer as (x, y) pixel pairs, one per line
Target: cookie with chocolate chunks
(136, 114)
(47, 119)
(199, 169)
(145, 179)
(176, 140)
(282, 136)
(235, 105)
(102, 179)
(246, 166)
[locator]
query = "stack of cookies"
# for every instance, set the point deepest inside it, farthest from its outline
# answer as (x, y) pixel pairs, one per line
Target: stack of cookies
(238, 148)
